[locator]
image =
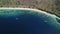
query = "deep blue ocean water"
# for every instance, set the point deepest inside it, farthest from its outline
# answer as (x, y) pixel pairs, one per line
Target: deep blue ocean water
(27, 22)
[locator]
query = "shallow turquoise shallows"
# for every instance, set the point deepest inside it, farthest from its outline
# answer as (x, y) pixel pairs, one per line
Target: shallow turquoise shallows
(27, 22)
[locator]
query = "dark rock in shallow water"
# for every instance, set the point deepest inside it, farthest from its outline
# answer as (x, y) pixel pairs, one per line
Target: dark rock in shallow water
(27, 22)
(58, 20)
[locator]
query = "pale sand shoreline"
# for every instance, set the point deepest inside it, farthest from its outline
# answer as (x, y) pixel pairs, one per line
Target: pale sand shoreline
(30, 9)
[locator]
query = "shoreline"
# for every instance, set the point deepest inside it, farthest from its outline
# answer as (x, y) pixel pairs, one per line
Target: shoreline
(31, 9)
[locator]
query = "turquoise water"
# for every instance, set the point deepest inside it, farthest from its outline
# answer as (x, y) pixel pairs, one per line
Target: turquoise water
(27, 22)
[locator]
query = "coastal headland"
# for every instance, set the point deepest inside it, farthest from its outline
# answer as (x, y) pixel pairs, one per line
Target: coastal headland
(50, 6)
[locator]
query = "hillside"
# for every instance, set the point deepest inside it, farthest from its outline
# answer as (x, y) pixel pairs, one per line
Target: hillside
(50, 6)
